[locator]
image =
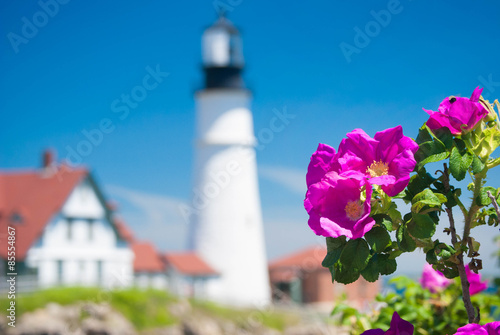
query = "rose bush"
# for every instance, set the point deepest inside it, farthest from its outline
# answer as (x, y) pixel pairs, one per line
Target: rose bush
(352, 191)
(430, 313)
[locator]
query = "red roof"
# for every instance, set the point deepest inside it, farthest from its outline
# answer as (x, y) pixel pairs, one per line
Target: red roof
(292, 266)
(189, 263)
(307, 259)
(29, 199)
(123, 230)
(147, 259)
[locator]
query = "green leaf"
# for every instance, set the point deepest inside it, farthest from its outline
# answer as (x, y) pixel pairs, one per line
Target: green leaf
(445, 136)
(383, 220)
(424, 135)
(427, 198)
(490, 140)
(445, 251)
(483, 199)
(421, 226)
(332, 272)
(417, 184)
(378, 238)
(430, 152)
(395, 253)
(331, 258)
(431, 257)
(452, 202)
(460, 163)
(371, 272)
(346, 274)
(450, 272)
(477, 165)
(394, 216)
(356, 254)
(335, 243)
(405, 242)
(385, 265)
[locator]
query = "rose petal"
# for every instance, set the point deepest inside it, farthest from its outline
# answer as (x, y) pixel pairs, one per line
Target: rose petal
(321, 163)
(476, 94)
(471, 329)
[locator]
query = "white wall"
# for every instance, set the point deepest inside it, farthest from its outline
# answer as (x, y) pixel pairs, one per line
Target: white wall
(81, 245)
(146, 280)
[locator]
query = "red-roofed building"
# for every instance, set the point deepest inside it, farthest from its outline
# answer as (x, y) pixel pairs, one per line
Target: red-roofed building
(64, 231)
(123, 230)
(300, 278)
(188, 273)
(149, 266)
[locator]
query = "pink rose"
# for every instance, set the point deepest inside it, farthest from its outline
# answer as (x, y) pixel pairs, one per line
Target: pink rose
(433, 280)
(458, 114)
(336, 205)
(386, 159)
(492, 328)
(474, 279)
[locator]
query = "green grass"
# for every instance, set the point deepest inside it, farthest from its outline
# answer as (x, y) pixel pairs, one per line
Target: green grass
(148, 308)
(244, 318)
(144, 308)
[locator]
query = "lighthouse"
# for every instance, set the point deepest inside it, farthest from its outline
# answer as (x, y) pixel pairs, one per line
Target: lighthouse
(226, 224)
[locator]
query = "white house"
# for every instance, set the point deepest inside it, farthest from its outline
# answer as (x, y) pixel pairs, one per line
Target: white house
(188, 274)
(65, 233)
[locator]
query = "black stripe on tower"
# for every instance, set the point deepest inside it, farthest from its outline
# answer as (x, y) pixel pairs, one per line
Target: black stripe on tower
(223, 77)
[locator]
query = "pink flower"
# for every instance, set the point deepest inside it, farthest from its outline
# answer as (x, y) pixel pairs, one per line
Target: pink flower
(492, 328)
(433, 280)
(474, 279)
(398, 327)
(458, 114)
(322, 161)
(387, 159)
(335, 203)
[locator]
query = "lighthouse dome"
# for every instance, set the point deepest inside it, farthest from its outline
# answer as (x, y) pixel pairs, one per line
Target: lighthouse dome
(221, 44)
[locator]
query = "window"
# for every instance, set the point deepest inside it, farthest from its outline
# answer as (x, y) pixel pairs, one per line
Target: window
(69, 231)
(59, 272)
(16, 218)
(99, 272)
(91, 229)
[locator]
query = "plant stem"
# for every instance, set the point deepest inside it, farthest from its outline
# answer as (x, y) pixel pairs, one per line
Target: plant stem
(492, 163)
(494, 203)
(460, 266)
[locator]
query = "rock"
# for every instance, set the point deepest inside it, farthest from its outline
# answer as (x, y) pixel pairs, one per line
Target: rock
(78, 319)
(180, 308)
(200, 325)
(314, 329)
(103, 320)
(52, 320)
(172, 330)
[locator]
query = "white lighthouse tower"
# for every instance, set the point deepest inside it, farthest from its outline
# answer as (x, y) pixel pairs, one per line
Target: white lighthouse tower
(226, 225)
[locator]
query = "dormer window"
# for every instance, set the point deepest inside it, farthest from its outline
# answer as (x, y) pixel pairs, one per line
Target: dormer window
(16, 218)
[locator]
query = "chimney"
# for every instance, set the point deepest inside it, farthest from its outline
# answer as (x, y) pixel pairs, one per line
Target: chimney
(48, 158)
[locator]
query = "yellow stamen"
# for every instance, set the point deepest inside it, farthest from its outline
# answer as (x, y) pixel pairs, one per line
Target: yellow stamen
(378, 169)
(354, 210)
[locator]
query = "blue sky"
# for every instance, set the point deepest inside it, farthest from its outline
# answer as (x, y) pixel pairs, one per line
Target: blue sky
(61, 80)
